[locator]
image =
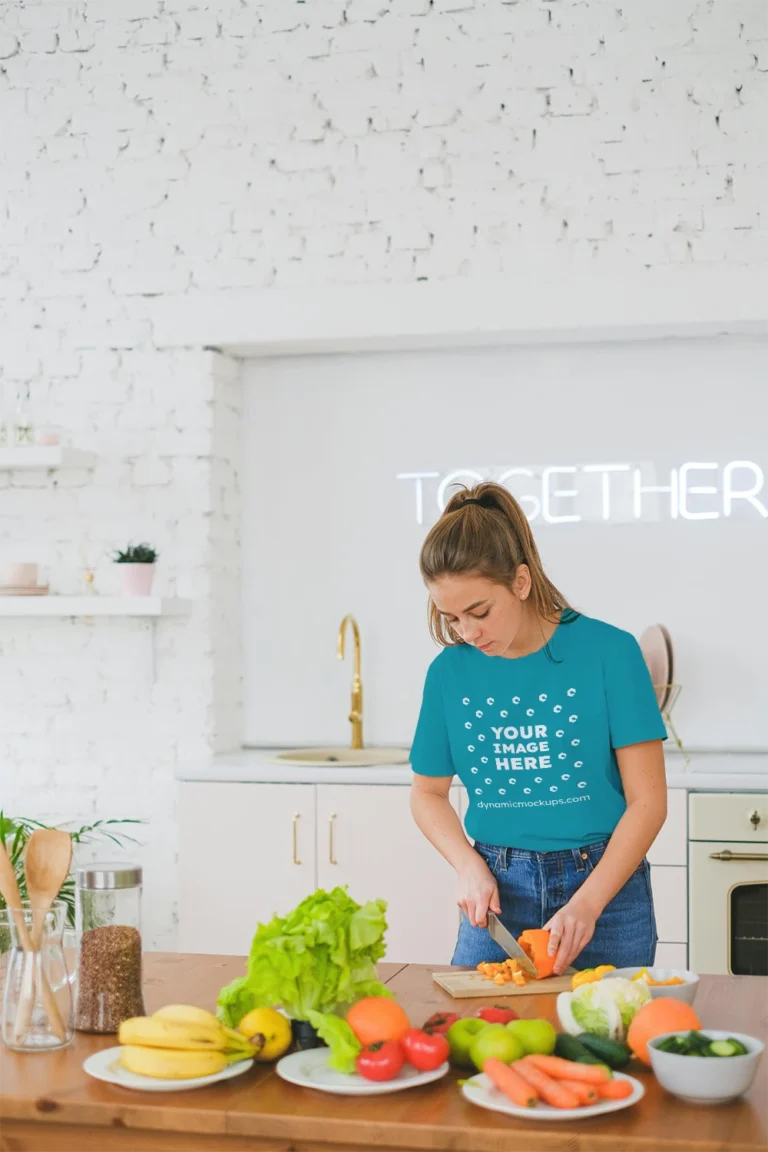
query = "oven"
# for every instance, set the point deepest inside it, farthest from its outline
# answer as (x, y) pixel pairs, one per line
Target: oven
(728, 883)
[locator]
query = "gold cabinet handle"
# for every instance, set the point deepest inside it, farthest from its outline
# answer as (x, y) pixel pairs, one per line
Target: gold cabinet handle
(296, 817)
(331, 856)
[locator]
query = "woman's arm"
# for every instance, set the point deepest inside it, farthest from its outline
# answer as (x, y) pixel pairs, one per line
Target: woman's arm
(436, 817)
(645, 787)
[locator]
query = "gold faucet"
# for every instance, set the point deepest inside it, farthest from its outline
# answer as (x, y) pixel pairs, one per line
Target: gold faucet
(356, 708)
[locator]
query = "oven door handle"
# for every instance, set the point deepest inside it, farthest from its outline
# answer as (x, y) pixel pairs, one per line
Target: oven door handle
(726, 854)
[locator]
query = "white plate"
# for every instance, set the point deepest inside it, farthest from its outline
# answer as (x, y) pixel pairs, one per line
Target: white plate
(310, 1070)
(480, 1091)
(105, 1066)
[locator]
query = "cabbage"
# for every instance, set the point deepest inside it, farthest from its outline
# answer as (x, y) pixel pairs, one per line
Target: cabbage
(605, 1008)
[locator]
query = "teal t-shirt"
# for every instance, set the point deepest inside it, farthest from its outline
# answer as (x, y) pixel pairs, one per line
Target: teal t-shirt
(533, 739)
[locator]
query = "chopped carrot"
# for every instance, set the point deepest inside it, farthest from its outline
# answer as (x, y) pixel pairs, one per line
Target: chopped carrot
(587, 1093)
(552, 1092)
(514, 1087)
(567, 1070)
(614, 1089)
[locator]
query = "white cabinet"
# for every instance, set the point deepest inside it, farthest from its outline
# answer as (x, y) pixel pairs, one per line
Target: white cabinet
(671, 844)
(670, 900)
(367, 839)
(246, 851)
(672, 956)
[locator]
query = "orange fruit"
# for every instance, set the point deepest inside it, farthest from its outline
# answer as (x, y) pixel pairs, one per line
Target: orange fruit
(377, 1018)
(654, 1019)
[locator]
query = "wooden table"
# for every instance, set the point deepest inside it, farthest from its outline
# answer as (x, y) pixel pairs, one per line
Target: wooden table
(48, 1103)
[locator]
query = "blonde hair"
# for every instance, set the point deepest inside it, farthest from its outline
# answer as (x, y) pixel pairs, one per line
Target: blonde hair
(490, 537)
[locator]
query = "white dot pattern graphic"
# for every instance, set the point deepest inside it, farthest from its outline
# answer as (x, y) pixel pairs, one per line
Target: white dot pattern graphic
(532, 783)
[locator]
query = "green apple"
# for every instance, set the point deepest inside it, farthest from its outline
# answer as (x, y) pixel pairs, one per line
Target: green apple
(536, 1036)
(460, 1036)
(495, 1040)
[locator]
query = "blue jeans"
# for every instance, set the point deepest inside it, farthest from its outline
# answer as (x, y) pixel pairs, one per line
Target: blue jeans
(533, 885)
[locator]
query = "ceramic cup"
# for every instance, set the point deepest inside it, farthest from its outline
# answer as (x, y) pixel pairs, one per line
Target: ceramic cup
(20, 575)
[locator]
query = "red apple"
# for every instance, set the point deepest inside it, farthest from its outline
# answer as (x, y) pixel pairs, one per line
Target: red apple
(495, 1014)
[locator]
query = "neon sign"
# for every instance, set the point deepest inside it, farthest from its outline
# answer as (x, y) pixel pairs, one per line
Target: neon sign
(615, 492)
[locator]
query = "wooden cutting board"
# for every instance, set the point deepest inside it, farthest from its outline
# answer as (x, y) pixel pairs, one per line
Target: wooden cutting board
(463, 985)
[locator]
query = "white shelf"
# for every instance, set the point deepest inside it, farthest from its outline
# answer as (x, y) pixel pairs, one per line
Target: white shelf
(44, 459)
(92, 606)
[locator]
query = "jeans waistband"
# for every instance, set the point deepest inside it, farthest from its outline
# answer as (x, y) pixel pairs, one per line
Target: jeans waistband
(579, 856)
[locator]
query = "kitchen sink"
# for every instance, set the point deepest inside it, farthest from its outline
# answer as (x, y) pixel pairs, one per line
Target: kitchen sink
(343, 757)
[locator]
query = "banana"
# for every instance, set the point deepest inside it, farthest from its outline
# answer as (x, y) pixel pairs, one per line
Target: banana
(170, 1064)
(149, 1032)
(187, 1014)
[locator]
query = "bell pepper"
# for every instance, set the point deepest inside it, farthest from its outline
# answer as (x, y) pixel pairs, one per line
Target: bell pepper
(591, 975)
(535, 942)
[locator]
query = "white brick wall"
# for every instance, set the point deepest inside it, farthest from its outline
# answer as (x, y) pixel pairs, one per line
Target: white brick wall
(160, 146)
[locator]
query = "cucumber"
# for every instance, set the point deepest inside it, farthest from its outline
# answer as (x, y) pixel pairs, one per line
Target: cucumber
(727, 1048)
(610, 1052)
(569, 1048)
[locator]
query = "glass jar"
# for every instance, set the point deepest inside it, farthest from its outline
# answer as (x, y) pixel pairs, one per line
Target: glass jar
(37, 992)
(108, 918)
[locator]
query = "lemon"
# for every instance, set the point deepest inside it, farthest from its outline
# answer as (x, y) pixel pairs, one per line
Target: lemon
(269, 1032)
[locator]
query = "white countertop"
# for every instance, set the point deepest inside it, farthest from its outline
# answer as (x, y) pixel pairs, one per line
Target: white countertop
(706, 772)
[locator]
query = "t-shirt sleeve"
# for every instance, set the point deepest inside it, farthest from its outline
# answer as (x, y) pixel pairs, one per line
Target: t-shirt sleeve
(633, 711)
(431, 749)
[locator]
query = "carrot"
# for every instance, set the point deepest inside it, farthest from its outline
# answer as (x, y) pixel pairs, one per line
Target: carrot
(586, 1093)
(514, 1087)
(552, 1092)
(566, 1070)
(614, 1089)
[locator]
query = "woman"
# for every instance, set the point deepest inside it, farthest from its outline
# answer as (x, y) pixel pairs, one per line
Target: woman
(550, 720)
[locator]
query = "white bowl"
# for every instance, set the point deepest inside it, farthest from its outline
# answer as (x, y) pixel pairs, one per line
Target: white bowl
(704, 1079)
(685, 992)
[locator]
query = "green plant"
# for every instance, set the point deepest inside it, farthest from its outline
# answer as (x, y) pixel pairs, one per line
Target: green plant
(15, 832)
(136, 554)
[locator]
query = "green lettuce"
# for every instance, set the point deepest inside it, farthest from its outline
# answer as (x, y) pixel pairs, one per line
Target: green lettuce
(318, 958)
(337, 1034)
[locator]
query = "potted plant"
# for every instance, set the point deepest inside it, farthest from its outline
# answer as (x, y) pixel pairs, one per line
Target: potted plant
(138, 569)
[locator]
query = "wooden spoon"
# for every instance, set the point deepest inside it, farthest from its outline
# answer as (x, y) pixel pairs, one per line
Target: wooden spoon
(47, 861)
(9, 890)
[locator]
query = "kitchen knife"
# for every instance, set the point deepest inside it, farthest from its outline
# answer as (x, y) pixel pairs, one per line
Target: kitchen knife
(510, 945)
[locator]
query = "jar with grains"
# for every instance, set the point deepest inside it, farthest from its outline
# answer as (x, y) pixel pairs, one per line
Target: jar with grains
(108, 916)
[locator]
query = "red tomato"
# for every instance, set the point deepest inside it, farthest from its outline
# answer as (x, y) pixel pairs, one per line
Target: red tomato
(425, 1051)
(440, 1022)
(496, 1015)
(381, 1061)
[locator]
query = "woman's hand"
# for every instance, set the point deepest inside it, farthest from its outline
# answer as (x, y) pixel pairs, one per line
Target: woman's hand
(478, 891)
(571, 929)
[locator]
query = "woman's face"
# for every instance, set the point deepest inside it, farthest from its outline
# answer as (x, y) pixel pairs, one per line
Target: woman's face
(486, 615)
